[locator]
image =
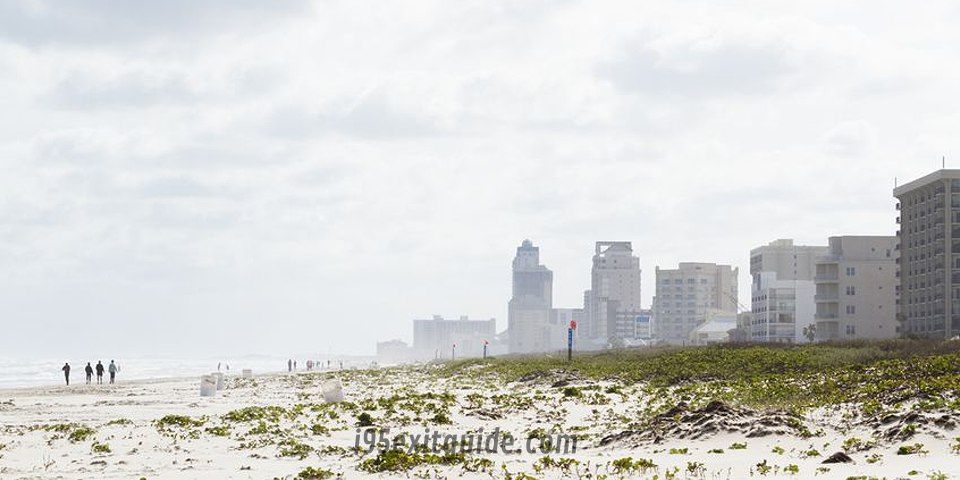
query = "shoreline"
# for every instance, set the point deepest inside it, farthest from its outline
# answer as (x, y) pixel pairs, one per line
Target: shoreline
(82, 387)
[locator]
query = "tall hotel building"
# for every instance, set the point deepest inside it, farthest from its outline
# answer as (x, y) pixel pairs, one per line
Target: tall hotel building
(929, 244)
(529, 310)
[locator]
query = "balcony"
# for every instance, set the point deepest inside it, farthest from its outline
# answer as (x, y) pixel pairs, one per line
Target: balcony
(825, 316)
(827, 277)
(827, 259)
(826, 297)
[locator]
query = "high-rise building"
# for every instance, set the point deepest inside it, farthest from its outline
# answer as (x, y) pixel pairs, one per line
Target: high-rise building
(856, 285)
(789, 261)
(529, 310)
(929, 255)
(782, 291)
(435, 337)
(615, 286)
(684, 297)
(584, 329)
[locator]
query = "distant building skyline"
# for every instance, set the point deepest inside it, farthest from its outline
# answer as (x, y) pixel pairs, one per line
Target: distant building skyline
(851, 288)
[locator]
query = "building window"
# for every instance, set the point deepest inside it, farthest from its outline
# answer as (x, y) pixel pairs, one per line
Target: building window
(851, 290)
(851, 330)
(851, 310)
(851, 271)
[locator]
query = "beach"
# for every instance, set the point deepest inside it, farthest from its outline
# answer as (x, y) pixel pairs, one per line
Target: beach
(279, 426)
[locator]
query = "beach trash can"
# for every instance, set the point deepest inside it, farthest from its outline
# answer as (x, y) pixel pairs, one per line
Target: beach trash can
(219, 376)
(208, 386)
(332, 390)
(247, 373)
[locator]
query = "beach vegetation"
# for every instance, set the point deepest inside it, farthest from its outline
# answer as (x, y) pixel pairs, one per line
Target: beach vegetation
(364, 419)
(401, 461)
(219, 430)
(628, 465)
(311, 473)
(182, 421)
(852, 444)
(98, 447)
(914, 449)
(81, 433)
(696, 468)
(248, 414)
(291, 447)
(571, 392)
(479, 464)
(810, 453)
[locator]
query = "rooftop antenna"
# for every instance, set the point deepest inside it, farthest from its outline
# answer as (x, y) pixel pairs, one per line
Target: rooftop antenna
(943, 161)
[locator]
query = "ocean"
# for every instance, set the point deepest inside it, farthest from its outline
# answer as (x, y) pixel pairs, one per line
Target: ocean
(16, 373)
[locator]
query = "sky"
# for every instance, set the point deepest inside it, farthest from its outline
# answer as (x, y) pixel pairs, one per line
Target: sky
(238, 176)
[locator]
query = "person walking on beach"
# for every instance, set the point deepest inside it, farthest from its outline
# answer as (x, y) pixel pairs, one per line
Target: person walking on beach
(113, 368)
(289, 365)
(99, 372)
(66, 372)
(89, 371)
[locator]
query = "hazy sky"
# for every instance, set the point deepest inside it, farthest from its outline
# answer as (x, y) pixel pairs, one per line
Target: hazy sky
(291, 176)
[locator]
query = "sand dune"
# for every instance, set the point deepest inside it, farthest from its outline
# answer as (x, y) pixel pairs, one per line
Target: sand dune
(278, 426)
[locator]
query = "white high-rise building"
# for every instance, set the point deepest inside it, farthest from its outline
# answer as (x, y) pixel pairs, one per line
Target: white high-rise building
(615, 287)
(856, 286)
(782, 292)
(687, 294)
(529, 311)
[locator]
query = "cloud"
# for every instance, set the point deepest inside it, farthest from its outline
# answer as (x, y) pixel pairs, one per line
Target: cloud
(850, 139)
(45, 22)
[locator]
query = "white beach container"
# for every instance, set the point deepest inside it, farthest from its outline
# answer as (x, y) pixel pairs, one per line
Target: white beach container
(332, 390)
(208, 386)
(247, 373)
(220, 385)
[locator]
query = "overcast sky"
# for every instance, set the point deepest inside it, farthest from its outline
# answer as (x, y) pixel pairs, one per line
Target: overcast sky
(291, 176)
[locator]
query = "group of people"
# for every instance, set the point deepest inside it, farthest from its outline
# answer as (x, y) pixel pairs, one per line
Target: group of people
(89, 370)
(311, 364)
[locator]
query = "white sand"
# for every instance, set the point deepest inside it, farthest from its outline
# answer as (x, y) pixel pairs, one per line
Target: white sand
(140, 450)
